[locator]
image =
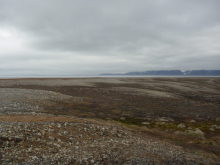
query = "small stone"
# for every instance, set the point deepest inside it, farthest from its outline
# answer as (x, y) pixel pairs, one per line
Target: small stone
(58, 145)
(198, 131)
(189, 128)
(34, 157)
(181, 125)
(38, 134)
(122, 118)
(145, 123)
(58, 125)
(51, 130)
(65, 132)
(119, 135)
(192, 121)
(160, 123)
(211, 129)
(29, 149)
(165, 119)
(51, 138)
(50, 126)
(44, 156)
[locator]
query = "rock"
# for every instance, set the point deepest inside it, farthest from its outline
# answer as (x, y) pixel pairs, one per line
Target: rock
(119, 135)
(59, 125)
(160, 123)
(122, 118)
(57, 145)
(165, 119)
(53, 124)
(65, 132)
(181, 125)
(51, 138)
(114, 130)
(51, 130)
(50, 126)
(189, 128)
(145, 123)
(192, 121)
(198, 131)
(29, 149)
(211, 129)
(34, 157)
(38, 134)
(44, 156)
(216, 127)
(178, 132)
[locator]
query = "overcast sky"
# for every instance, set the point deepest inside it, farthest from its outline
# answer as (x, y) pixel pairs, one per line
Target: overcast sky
(73, 38)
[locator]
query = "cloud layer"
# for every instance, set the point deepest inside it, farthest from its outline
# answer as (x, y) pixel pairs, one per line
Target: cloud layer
(72, 37)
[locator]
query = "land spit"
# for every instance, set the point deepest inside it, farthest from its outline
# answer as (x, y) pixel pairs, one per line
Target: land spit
(110, 121)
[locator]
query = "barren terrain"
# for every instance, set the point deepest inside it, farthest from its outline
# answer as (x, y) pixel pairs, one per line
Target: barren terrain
(110, 121)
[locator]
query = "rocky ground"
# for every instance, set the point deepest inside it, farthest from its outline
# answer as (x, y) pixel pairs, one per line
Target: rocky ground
(38, 124)
(75, 140)
(78, 141)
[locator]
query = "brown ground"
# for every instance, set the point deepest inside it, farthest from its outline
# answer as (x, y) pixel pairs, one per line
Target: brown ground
(162, 102)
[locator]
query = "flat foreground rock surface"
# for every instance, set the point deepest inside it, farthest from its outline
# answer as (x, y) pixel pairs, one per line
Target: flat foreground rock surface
(110, 121)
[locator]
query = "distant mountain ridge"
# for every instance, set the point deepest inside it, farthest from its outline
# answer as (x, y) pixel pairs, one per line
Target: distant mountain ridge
(172, 73)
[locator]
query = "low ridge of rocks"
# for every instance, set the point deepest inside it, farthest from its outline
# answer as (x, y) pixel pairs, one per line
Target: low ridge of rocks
(84, 142)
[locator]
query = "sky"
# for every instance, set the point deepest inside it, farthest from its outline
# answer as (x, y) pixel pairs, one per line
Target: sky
(82, 38)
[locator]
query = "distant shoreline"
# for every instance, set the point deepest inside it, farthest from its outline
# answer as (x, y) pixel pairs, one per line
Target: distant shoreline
(104, 76)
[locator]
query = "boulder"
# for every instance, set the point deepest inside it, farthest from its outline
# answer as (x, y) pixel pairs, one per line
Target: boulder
(181, 125)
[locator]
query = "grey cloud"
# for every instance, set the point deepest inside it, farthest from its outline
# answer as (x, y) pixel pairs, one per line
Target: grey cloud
(133, 35)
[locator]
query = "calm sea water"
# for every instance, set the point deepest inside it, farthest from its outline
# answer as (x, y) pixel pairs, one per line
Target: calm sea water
(96, 76)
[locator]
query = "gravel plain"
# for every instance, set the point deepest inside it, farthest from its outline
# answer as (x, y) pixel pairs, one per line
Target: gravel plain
(31, 135)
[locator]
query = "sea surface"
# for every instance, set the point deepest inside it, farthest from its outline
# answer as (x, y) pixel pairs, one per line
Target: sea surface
(97, 76)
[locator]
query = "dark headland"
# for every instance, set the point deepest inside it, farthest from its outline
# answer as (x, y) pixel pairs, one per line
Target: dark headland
(171, 73)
